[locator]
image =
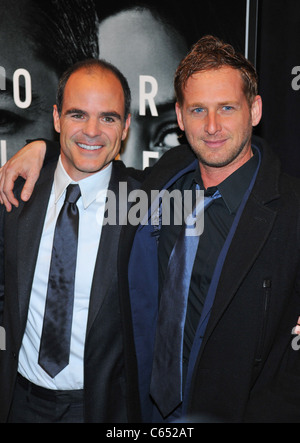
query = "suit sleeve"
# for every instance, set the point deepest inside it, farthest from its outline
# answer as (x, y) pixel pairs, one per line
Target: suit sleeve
(138, 174)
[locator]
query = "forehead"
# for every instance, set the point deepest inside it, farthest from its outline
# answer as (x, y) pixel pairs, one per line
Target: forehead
(93, 87)
(223, 81)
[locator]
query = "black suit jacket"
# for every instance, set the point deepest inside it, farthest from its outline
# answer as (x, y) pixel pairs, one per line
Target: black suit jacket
(105, 382)
(246, 368)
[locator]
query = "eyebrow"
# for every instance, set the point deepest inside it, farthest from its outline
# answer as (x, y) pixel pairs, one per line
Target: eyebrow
(221, 103)
(102, 114)
(74, 111)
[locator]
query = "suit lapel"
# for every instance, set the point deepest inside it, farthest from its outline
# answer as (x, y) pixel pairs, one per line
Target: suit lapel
(105, 274)
(30, 226)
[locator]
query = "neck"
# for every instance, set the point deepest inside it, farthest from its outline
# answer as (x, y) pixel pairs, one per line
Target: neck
(213, 176)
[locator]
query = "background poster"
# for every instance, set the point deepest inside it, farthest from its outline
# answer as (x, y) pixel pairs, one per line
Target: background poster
(145, 40)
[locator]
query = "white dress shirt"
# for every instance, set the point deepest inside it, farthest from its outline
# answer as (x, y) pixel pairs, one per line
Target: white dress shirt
(91, 207)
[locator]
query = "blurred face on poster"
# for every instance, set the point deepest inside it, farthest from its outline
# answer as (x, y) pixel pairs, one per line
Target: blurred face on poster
(148, 52)
(27, 85)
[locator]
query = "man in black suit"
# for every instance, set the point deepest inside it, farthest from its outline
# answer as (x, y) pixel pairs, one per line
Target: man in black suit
(238, 303)
(92, 117)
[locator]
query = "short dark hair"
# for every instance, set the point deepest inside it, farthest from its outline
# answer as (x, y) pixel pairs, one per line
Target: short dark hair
(91, 64)
(212, 53)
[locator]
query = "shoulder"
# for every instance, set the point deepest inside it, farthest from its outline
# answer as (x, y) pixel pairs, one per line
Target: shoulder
(133, 178)
(290, 185)
(169, 166)
(170, 163)
(177, 157)
(272, 182)
(129, 172)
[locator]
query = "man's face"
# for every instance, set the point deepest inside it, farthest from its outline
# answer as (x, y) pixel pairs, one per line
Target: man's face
(139, 44)
(18, 51)
(91, 124)
(217, 119)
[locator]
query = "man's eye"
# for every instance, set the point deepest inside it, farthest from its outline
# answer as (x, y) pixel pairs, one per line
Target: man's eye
(108, 119)
(198, 110)
(227, 108)
(77, 116)
(11, 122)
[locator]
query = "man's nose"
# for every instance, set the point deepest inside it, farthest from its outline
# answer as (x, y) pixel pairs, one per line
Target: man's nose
(213, 123)
(92, 127)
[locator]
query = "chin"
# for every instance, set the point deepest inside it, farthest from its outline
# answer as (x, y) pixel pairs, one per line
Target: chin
(219, 161)
(89, 168)
(216, 164)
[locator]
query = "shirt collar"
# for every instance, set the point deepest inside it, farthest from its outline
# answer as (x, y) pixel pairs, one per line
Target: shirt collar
(89, 186)
(233, 187)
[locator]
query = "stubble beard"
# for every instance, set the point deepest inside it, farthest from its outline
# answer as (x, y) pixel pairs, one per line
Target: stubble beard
(232, 156)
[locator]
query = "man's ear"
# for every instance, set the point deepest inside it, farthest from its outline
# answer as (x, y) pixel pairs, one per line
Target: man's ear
(56, 119)
(179, 116)
(256, 110)
(127, 125)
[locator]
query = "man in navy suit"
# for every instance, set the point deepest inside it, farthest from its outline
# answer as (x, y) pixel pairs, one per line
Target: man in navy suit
(237, 362)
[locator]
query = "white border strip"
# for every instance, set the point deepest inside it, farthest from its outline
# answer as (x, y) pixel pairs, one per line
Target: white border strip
(247, 29)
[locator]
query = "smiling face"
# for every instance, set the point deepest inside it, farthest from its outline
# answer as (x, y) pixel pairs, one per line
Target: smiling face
(92, 123)
(218, 120)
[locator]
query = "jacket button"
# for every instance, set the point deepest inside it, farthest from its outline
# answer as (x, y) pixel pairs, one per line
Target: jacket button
(267, 283)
